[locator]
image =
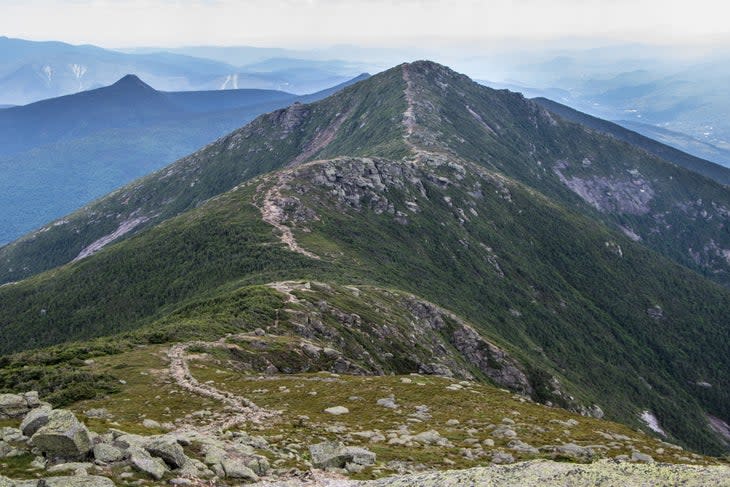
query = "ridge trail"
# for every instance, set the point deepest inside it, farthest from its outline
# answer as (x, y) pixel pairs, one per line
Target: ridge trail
(244, 410)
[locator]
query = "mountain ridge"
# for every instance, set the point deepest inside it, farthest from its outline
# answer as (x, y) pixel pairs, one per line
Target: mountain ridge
(407, 183)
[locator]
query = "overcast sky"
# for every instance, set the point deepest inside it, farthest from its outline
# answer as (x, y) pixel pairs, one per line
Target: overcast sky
(308, 23)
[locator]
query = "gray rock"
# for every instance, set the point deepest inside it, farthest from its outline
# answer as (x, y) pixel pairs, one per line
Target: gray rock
(337, 410)
(5, 449)
(34, 420)
(336, 455)
(502, 458)
(98, 413)
(522, 447)
(39, 463)
(169, 451)
(32, 398)
(127, 440)
(387, 402)
(12, 434)
(236, 469)
(13, 406)
(572, 451)
(431, 437)
(108, 453)
(76, 481)
(63, 436)
(637, 456)
(260, 465)
(79, 468)
(142, 461)
(151, 423)
(503, 431)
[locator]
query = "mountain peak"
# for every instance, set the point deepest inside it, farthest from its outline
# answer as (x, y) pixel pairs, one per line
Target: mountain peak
(132, 81)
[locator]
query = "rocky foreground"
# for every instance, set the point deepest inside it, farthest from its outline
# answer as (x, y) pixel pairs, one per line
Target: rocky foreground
(68, 454)
(546, 473)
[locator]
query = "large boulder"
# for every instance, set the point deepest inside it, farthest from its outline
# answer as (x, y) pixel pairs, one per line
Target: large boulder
(168, 450)
(35, 419)
(63, 436)
(335, 455)
(107, 453)
(235, 468)
(142, 461)
(13, 406)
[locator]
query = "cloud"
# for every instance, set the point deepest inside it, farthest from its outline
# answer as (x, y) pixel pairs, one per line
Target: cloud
(379, 22)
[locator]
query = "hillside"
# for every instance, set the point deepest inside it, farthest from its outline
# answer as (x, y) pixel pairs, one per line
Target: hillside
(59, 154)
(706, 168)
(422, 190)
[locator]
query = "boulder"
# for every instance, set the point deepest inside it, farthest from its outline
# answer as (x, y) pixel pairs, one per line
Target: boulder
(151, 424)
(8, 433)
(637, 456)
(34, 420)
(431, 437)
(387, 402)
(573, 451)
(32, 399)
(235, 468)
(76, 481)
(7, 450)
(63, 436)
(13, 406)
(502, 458)
(142, 461)
(337, 410)
(168, 450)
(335, 455)
(107, 453)
(260, 465)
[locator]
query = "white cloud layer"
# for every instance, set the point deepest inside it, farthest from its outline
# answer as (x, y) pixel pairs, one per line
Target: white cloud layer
(306, 23)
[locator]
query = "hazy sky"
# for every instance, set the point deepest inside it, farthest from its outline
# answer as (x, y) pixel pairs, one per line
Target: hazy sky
(306, 23)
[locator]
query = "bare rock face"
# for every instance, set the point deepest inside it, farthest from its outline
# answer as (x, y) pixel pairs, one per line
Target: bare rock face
(630, 194)
(63, 436)
(491, 360)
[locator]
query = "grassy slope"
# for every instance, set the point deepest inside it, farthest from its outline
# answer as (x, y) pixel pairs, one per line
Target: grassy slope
(582, 308)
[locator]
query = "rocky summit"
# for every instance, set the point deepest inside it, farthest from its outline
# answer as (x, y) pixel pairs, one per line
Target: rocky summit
(416, 281)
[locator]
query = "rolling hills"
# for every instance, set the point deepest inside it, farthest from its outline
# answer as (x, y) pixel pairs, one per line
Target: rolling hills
(538, 254)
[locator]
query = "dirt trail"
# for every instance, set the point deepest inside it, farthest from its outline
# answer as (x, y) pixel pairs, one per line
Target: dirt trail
(272, 212)
(409, 116)
(243, 410)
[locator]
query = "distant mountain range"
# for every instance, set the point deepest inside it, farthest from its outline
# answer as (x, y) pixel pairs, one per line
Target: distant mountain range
(58, 154)
(32, 71)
